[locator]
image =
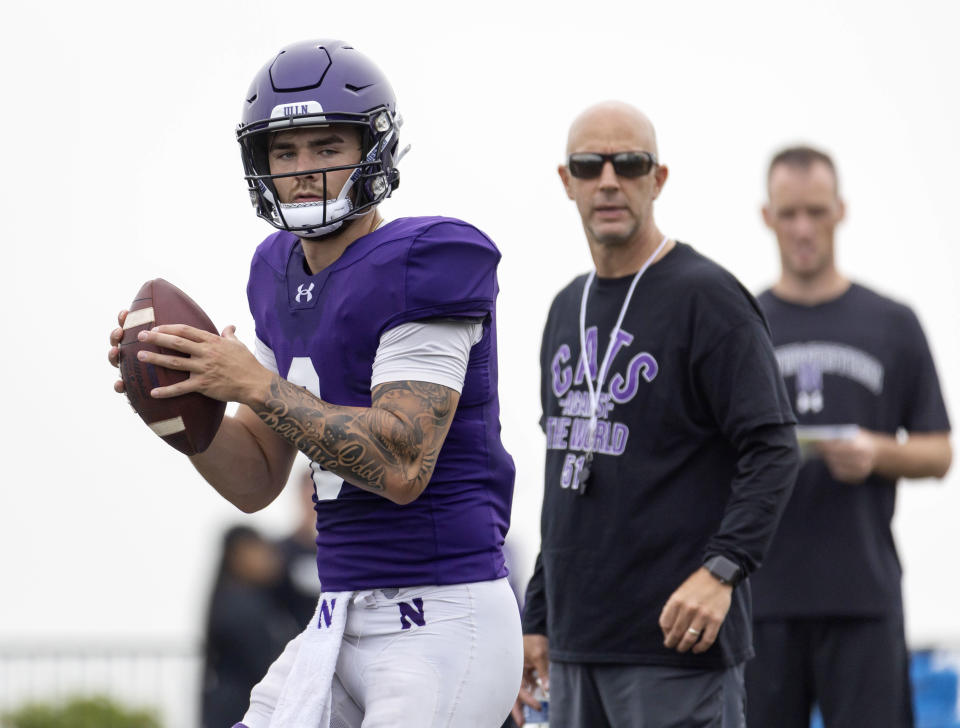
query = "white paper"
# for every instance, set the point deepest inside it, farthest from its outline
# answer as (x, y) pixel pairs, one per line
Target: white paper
(809, 435)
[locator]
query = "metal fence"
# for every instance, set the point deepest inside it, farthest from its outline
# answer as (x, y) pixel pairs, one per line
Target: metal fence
(166, 677)
(143, 674)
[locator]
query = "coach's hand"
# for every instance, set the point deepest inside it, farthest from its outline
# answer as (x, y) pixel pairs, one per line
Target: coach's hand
(536, 665)
(694, 612)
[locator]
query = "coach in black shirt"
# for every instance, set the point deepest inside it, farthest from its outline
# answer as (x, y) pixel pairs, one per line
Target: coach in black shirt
(670, 455)
(828, 610)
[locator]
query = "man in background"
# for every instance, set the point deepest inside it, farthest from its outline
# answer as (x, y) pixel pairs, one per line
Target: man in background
(827, 604)
(246, 628)
(299, 587)
(670, 454)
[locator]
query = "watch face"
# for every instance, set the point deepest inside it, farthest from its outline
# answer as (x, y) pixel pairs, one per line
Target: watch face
(724, 569)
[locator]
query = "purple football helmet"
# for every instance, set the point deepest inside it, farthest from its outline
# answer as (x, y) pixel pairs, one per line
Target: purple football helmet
(315, 83)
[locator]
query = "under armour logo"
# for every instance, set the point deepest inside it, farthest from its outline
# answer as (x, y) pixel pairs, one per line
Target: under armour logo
(301, 291)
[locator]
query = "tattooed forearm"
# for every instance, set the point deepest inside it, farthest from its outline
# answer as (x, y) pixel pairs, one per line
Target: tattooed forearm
(389, 448)
(323, 434)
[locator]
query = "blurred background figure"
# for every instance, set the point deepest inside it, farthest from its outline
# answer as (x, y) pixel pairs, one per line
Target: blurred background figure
(828, 611)
(246, 627)
(299, 586)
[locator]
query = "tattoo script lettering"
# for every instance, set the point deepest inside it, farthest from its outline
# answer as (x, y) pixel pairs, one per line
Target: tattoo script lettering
(396, 440)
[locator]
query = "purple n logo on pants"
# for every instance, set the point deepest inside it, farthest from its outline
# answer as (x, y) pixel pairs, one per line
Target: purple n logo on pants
(408, 613)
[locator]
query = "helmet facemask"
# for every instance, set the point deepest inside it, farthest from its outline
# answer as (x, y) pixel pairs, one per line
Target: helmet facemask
(373, 178)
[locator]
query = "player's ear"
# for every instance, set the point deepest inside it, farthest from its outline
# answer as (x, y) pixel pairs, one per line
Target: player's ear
(661, 172)
(841, 209)
(565, 178)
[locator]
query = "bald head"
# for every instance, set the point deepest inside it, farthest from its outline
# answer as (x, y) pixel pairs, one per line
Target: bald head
(615, 200)
(611, 123)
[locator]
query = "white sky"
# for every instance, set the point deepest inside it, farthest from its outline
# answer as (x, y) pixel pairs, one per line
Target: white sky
(120, 165)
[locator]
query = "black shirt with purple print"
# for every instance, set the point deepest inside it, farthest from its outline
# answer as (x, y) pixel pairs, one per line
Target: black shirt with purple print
(694, 455)
(859, 359)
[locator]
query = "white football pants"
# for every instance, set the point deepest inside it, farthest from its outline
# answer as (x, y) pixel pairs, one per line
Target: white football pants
(424, 657)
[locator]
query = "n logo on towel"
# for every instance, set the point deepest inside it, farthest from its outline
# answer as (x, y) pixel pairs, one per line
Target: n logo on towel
(408, 613)
(326, 613)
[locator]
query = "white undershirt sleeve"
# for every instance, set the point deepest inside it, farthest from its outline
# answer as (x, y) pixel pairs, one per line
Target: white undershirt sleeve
(435, 351)
(264, 354)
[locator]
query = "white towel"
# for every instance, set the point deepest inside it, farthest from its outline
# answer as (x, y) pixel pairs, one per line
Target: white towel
(305, 698)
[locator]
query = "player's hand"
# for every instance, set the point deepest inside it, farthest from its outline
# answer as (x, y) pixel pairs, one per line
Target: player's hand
(693, 614)
(536, 668)
(850, 460)
(113, 355)
(220, 367)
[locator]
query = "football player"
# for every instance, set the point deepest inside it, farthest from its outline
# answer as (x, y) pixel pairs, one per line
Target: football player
(375, 355)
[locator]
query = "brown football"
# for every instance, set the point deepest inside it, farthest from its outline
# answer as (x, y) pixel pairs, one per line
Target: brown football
(190, 421)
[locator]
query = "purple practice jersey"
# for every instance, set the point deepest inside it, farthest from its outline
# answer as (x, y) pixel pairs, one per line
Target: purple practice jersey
(329, 326)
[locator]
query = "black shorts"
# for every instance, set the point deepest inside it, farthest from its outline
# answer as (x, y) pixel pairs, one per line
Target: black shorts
(644, 696)
(856, 670)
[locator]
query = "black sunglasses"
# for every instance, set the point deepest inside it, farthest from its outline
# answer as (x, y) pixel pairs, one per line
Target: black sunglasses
(589, 165)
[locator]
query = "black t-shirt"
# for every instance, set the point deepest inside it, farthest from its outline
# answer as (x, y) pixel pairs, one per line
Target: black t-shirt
(693, 380)
(859, 359)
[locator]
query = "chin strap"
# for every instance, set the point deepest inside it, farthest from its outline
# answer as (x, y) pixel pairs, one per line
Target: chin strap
(306, 214)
